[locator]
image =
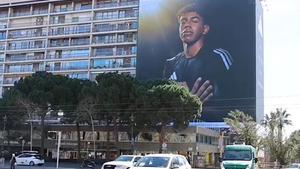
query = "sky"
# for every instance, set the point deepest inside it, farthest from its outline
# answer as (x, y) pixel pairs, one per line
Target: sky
(281, 59)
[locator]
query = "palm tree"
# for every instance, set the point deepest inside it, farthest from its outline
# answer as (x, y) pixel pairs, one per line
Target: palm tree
(275, 123)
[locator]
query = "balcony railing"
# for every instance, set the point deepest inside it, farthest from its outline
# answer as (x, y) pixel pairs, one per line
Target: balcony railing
(34, 46)
(2, 46)
(59, 44)
(65, 56)
(20, 14)
(58, 68)
(24, 58)
(72, 30)
(63, 21)
(27, 34)
(4, 15)
(115, 4)
(113, 41)
(126, 15)
(112, 66)
(16, 70)
(107, 28)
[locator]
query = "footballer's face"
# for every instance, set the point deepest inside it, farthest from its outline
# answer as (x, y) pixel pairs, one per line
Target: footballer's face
(192, 27)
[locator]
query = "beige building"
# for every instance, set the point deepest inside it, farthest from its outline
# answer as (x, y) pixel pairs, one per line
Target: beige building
(78, 38)
(201, 143)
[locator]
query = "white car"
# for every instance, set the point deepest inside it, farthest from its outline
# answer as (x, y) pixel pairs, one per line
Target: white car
(293, 166)
(29, 159)
(162, 161)
(122, 162)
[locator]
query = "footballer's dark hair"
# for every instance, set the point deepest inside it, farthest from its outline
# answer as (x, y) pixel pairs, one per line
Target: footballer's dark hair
(200, 9)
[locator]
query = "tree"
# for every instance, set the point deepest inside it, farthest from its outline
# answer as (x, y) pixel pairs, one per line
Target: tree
(294, 145)
(11, 113)
(44, 91)
(244, 128)
(115, 97)
(71, 109)
(169, 104)
(274, 124)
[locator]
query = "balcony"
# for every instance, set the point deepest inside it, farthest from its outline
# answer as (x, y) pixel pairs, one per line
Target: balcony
(19, 69)
(82, 41)
(116, 27)
(3, 14)
(55, 20)
(25, 45)
(114, 63)
(2, 46)
(70, 30)
(11, 80)
(68, 66)
(13, 58)
(115, 4)
(113, 66)
(112, 41)
(111, 15)
(27, 33)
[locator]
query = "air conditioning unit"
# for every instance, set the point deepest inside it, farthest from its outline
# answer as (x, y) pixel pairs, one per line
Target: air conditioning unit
(39, 20)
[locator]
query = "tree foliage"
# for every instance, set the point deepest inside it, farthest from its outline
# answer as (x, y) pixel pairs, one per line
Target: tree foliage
(169, 104)
(243, 127)
(274, 142)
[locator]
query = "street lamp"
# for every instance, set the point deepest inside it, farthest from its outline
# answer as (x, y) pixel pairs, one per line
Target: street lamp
(4, 126)
(31, 130)
(93, 135)
(132, 137)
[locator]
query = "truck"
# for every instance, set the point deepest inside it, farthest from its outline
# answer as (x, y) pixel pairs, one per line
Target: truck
(239, 157)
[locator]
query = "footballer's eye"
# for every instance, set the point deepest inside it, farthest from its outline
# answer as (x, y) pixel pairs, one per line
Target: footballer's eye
(195, 20)
(182, 21)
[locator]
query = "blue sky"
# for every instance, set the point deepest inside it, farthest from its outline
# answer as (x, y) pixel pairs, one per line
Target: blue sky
(282, 61)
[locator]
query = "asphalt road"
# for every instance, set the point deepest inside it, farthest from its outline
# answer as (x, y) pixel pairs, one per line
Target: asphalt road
(48, 165)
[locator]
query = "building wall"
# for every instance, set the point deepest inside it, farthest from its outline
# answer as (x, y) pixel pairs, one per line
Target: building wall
(79, 38)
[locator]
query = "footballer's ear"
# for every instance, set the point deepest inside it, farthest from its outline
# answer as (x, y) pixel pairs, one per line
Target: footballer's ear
(206, 29)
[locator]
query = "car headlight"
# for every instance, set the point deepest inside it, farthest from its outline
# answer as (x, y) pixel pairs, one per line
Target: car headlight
(248, 167)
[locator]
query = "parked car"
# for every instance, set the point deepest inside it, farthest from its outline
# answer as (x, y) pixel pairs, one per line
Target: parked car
(29, 159)
(293, 166)
(162, 161)
(122, 162)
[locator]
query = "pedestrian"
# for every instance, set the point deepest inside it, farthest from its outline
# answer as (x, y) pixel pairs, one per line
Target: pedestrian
(13, 162)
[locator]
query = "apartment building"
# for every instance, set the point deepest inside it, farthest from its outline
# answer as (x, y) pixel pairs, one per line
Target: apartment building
(76, 38)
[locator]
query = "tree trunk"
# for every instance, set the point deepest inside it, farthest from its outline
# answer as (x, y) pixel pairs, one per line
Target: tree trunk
(8, 140)
(78, 142)
(161, 131)
(107, 139)
(43, 135)
(115, 130)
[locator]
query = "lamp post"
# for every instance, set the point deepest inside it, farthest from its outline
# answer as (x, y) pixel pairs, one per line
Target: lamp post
(4, 126)
(31, 130)
(93, 134)
(132, 137)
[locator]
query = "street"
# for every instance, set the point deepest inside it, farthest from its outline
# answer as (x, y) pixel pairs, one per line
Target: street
(48, 165)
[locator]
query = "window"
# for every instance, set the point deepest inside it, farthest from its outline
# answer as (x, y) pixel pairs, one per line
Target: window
(75, 19)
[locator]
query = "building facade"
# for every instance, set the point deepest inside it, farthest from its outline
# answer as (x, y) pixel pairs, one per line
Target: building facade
(77, 38)
(201, 143)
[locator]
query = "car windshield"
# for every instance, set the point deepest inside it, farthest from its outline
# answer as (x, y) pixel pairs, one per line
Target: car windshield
(38, 156)
(293, 166)
(124, 158)
(161, 162)
(237, 155)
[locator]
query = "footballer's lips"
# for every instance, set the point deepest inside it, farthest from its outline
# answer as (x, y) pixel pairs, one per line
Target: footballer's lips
(186, 32)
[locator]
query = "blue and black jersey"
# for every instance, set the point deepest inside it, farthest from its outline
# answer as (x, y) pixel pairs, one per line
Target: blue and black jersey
(210, 64)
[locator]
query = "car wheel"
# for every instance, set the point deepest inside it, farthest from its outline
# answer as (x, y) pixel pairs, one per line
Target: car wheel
(31, 163)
